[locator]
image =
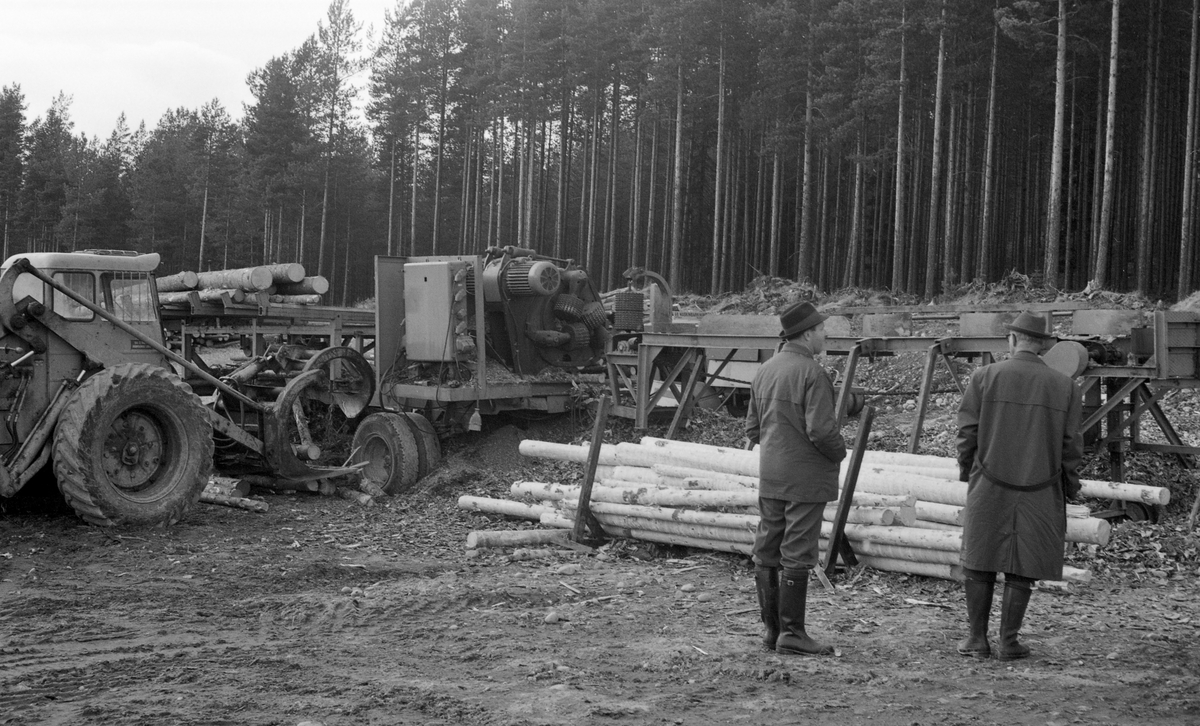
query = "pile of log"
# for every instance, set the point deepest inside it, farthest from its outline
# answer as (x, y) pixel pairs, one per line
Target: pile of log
(906, 513)
(286, 283)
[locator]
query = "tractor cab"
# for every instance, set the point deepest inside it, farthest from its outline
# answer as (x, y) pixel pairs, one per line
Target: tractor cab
(118, 281)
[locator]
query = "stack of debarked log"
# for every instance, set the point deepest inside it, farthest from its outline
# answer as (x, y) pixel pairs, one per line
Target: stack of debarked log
(285, 283)
(906, 514)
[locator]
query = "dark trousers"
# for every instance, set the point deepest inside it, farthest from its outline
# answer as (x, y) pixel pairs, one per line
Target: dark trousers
(788, 534)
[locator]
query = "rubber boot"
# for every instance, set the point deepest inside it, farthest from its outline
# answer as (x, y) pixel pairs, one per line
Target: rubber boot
(766, 579)
(793, 600)
(1012, 614)
(979, 608)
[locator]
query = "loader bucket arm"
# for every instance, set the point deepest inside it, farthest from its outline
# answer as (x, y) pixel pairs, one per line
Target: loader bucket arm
(15, 314)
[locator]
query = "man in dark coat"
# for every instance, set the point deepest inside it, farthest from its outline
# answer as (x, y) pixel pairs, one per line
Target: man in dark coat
(793, 419)
(1019, 447)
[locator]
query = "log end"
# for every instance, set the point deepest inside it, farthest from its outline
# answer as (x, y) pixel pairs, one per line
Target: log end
(261, 278)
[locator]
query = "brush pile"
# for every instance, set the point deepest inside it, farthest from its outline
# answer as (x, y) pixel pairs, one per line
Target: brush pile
(905, 515)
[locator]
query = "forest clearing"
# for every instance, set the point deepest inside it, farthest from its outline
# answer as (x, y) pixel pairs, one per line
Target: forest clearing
(321, 610)
(853, 153)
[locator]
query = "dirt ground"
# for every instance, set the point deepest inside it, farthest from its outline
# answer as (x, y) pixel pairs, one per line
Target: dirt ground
(323, 611)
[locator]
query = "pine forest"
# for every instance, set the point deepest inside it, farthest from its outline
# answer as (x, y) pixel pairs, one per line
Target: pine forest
(916, 146)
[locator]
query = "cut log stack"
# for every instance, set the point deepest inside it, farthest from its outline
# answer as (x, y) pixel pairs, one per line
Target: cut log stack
(906, 514)
(285, 283)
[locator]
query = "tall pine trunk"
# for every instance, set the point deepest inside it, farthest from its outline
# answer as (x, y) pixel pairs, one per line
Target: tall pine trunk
(935, 179)
(1100, 277)
(441, 153)
(1054, 210)
(391, 250)
(950, 208)
(203, 224)
(715, 284)
(804, 252)
(676, 267)
(652, 193)
(564, 177)
(855, 252)
(614, 148)
(1147, 154)
(898, 239)
(772, 265)
(594, 179)
(987, 202)
(1186, 243)
(412, 205)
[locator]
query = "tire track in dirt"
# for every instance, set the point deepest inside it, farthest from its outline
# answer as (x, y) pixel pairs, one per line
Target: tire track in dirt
(67, 671)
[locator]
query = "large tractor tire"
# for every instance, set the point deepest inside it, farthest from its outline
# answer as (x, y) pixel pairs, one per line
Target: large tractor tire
(133, 447)
(386, 443)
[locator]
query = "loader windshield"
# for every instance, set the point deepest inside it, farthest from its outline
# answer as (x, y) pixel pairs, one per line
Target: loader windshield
(128, 295)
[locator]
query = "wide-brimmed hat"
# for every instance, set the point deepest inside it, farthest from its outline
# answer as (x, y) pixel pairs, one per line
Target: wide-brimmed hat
(1032, 324)
(799, 318)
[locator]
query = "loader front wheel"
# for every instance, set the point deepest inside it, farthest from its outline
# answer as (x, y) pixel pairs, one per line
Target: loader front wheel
(133, 447)
(385, 442)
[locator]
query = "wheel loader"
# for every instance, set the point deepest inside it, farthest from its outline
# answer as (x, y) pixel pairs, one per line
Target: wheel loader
(88, 386)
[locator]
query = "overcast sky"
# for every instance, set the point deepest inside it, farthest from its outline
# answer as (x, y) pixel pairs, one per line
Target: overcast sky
(144, 57)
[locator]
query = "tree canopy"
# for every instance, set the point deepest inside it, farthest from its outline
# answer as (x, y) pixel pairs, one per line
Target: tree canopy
(916, 145)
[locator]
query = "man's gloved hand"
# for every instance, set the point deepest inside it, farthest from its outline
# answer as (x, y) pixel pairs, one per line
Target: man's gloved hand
(1071, 488)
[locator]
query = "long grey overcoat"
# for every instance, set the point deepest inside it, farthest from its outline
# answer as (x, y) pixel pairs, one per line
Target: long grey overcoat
(1019, 446)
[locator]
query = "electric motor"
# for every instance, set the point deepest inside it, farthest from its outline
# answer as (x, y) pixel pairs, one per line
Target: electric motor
(504, 279)
(525, 277)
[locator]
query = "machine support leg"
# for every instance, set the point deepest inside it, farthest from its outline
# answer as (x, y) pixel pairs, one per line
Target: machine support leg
(1168, 430)
(1116, 450)
(689, 394)
(645, 377)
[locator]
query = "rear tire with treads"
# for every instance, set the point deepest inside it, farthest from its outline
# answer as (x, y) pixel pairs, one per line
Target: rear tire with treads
(133, 446)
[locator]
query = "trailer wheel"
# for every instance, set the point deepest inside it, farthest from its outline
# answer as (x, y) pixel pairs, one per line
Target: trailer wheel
(429, 449)
(133, 446)
(386, 443)
(1141, 512)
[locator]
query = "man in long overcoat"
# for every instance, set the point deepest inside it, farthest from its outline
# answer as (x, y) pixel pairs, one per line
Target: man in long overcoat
(1019, 447)
(792, 417)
